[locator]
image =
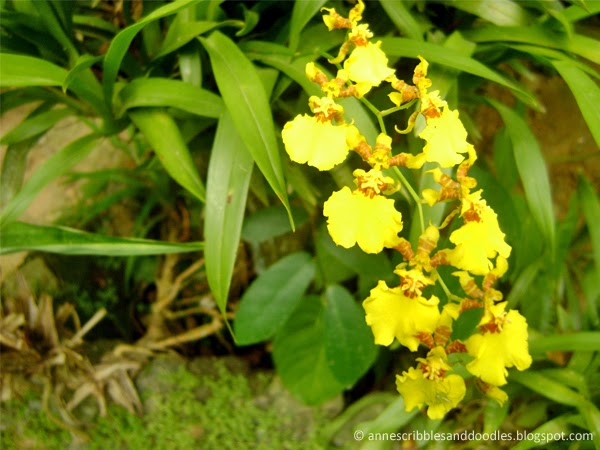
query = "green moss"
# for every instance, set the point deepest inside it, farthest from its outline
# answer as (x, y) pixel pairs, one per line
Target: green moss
(212, 412)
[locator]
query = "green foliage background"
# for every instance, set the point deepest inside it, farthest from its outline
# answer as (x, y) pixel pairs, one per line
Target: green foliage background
(196, 92)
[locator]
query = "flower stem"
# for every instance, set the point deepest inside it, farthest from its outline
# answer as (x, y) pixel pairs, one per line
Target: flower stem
(387, 112)
(375, 111)
(413, 194)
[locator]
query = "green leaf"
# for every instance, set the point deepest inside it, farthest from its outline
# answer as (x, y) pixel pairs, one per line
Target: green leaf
(499, 12)
(437, 54)
(180, 33)
(58, 164)
(300, 357)
(301, 14)
(532, 170)
(120, 44)
(584, 341)
(34, 126)
(271, 222)
(541, 36)
(466, 324)
(403, 19)
(20, 236)
(586, 92)
(246, 100)
(548, 388)
(349, 343)
(272, 298)
(83, 63)
(173, 93)
(591, 211)
(229, 172)
(18, 70)
(164, 136)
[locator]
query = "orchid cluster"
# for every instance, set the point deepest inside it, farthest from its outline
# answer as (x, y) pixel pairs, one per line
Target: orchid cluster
(366, 216)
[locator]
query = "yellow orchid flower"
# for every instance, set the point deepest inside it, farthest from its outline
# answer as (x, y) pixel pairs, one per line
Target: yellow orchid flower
(429, 385)
(391, 314)
(446, 139)
(367, 65)
(501, 343)
(479, 239)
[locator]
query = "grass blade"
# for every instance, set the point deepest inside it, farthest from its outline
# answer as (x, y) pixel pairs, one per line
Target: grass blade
(229, 173)
(173, 93)
(20, 236)
(246, 100)
(34, 126)
(164, 136)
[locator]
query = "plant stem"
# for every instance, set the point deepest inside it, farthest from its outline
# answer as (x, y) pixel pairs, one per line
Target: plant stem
(377, 113)
(413, 194)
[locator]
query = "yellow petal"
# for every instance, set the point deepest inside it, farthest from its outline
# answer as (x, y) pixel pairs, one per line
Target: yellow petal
(368, 65)
(446, 138)
(353, 218)
(322, 145)
(391, 314)
(494, 352)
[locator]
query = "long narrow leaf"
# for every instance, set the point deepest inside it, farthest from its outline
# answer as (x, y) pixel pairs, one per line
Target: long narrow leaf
(584, 341)
(591, 211)
(586, 92)
(301, 14)
(499, 12)
(56, 166)
(33, 126)
(403, 19)
(532, 170)
(19, 70)
(411, 48)
(20, 236)
(173, 93)
(120, 44)
(246, 100)
(164, 136)
(229, 173)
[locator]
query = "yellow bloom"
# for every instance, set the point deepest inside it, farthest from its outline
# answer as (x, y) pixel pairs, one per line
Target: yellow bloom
(446, 139)
(502, 343)
(429, 385)
(322, 145)
(392, 314)
(368, 64)
(479, 239)
(354, 217)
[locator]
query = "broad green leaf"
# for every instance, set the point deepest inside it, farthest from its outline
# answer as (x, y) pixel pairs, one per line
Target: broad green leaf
(583, 341)
(271, 222)
(83, 63)
(533, 171)
(349, 343)
(272, 297)
(390, 420)
(19, 70)
(247, 101)
(301, 14)
(402, 17)
(229, 172)
(20, 236)
(591, 211)
(120, 44)
(494, 416)
(300, 357)
(499, 12)
(164, 136)
(586, 92)
(466, 324)
(581, 10)
(180, 33)
(34, 126)
(58, 164)
(172, 93)
(437, 54)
